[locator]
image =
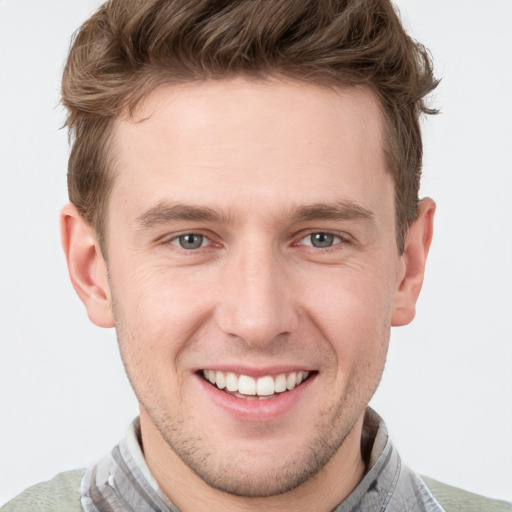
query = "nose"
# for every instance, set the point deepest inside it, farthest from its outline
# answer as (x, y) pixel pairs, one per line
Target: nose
(257, 303)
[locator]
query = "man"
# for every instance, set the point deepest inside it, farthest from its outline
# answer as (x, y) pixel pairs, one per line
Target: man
(244, 185)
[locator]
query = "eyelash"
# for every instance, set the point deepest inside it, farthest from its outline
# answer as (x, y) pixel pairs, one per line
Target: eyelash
(341, 241)
(175, 240)
(337, 240)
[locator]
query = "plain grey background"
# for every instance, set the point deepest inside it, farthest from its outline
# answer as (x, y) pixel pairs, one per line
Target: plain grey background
(447, 390)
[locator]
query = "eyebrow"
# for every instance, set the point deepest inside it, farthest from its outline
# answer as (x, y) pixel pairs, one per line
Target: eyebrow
(345, 210)
(163, 213)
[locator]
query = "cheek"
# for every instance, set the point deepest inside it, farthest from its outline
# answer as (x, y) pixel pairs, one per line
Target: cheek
(353, 309)
(157, 313)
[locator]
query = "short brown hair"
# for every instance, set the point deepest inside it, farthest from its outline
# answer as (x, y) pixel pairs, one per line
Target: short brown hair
(129, 47)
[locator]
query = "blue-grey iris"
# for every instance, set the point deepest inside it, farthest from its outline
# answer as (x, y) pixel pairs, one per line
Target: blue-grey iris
(190, 241)
(322, 240)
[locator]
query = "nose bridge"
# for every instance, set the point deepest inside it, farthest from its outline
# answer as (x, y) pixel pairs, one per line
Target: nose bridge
(257, 305)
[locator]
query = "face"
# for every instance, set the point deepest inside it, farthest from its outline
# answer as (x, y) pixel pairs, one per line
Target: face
(253, 273)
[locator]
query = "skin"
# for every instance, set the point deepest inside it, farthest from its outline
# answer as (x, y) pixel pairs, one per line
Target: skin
(257, 297)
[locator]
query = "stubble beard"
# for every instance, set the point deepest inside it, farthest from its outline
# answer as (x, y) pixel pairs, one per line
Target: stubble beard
(235, 475)
(232, 475)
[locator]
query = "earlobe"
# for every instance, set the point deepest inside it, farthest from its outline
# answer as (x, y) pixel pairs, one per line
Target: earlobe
(86, 265)
(417, 244)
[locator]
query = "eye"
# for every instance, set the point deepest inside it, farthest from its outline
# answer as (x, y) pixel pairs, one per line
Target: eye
(190, 241)
(321, 240)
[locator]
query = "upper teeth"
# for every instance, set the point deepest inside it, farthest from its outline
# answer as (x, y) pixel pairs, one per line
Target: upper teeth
(263, 386)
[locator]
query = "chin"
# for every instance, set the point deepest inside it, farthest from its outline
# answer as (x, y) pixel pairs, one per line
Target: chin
(243, 479)
(255, 468)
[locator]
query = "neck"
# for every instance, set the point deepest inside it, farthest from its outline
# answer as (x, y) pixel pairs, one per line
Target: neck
(188, 492)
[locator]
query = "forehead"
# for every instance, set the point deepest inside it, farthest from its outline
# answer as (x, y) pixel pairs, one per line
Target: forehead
(261, 143)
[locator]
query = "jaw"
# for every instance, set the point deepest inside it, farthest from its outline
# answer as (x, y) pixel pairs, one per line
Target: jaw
(266, 465)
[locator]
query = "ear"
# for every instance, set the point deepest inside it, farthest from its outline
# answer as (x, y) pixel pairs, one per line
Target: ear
(417, 244)
(87, 267)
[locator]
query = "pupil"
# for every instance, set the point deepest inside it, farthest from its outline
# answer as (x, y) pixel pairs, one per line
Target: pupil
(322, 240)
(191, 241)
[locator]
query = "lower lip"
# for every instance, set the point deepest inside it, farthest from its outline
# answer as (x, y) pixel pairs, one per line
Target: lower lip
(255, 409)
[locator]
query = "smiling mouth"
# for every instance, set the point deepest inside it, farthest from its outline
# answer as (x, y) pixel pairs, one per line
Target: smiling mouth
(244, 386)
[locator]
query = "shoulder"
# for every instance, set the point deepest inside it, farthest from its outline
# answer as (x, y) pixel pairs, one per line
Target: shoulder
(455, 499)
(61, 494)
